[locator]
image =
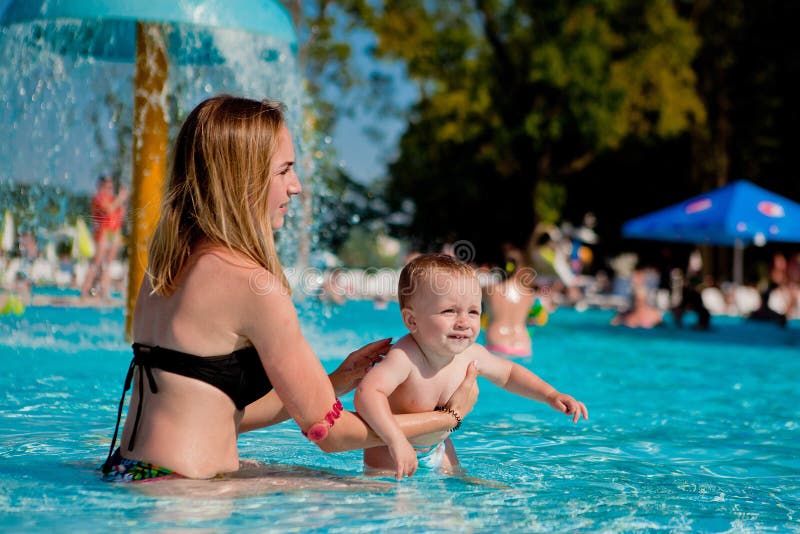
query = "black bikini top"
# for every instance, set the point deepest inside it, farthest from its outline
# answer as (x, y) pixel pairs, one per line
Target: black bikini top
(240, 375)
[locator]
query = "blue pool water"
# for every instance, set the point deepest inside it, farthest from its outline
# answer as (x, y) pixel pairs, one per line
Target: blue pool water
(688, 431)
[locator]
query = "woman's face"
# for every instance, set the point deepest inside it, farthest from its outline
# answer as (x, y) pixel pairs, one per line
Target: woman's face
(284, 182)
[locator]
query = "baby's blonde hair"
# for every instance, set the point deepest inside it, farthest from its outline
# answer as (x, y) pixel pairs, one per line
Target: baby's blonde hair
(218, 186)
(421, 272)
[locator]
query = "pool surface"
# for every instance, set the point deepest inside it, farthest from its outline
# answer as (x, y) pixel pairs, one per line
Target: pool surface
(688, 430)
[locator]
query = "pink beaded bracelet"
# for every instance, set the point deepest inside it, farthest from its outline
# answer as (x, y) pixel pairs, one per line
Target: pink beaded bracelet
(319, 431)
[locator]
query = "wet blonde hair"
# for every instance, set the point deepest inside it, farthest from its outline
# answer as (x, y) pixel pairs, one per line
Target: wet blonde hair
(421, 272)
(217, 188)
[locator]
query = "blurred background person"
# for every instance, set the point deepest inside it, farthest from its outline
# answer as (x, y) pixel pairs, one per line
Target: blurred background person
(691, 297)
(107, 215)
(508, 302)
(641, 313)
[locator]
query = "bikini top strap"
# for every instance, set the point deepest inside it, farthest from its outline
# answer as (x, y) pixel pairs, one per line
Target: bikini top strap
(144, 370)
(107, 464)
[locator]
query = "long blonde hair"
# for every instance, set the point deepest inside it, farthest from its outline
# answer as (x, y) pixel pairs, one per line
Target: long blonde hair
(217, 188)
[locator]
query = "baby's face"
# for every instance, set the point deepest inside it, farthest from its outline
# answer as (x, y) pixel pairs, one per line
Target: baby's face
(447, 314)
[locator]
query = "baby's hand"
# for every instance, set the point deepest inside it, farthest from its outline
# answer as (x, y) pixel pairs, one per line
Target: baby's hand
(565, 403)
(405, 458)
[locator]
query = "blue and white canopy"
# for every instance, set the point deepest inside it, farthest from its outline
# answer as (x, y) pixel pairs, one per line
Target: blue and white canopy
(739, 213)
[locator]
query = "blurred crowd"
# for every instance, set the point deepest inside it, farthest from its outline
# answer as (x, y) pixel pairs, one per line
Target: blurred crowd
(555, 269)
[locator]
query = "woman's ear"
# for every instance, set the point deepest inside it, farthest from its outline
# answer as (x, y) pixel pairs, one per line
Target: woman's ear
(409, 320)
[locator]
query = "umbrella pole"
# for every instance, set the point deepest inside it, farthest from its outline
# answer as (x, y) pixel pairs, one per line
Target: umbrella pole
(150, 134)
(738, 256)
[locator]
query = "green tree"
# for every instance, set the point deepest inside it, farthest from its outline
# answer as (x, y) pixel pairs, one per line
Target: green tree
(330, 75)
(518, 96)
(719, 22)
(760, 83)
(326, 55)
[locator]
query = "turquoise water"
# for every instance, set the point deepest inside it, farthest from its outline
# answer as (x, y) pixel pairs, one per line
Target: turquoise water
(688, 431)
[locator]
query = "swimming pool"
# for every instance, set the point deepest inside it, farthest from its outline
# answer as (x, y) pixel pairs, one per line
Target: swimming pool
(688, 431)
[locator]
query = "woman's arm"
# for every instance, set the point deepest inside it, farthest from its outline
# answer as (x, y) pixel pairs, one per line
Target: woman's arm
(429, 423)
(266, 411)
(268, 318)
(269, 410)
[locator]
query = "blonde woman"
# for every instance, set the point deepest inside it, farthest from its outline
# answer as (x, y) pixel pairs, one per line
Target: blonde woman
(218, 349)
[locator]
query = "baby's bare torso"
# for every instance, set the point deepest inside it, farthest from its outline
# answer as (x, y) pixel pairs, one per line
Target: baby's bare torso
(428, 385)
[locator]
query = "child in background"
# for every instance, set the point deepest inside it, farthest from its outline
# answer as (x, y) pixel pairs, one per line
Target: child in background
(440, 301)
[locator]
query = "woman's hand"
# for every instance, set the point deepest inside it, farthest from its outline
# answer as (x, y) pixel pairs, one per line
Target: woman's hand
(463, 399)
(350, 372)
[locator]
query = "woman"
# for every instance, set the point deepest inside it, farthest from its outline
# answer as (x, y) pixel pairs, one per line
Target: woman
(508, 303)
(215, 286)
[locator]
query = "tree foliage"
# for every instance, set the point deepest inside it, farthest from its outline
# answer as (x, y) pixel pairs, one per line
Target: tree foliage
(517, 96)
(326, 55)
(331, 78)
(746, 68)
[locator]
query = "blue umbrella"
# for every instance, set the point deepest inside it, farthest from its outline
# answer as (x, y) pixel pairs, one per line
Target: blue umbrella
(735, 215)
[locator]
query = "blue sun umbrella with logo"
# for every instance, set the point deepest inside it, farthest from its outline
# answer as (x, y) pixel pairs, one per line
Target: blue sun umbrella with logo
(736, 215)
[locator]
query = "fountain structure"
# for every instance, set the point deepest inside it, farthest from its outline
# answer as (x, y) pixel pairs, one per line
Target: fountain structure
(91, 86)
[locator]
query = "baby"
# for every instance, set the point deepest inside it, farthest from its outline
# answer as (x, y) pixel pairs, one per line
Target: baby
(440, 301)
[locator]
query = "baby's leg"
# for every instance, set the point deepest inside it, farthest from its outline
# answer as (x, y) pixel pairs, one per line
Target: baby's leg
(378, 462)
(450, 461)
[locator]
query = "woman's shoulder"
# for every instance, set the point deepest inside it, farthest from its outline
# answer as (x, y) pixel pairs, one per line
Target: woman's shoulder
(221, 266)
(213, 252)
(219, 258)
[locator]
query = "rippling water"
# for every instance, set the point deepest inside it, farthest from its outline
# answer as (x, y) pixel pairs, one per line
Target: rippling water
(688, 431)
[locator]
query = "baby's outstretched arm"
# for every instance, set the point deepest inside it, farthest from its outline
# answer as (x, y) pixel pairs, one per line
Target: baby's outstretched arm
(517, 379)
(570, 406)
(372, 403)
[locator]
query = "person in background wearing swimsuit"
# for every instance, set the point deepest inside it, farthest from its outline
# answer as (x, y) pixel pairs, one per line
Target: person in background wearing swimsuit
(108, 214)
(440, 301)
(217, 343)
(508, 304)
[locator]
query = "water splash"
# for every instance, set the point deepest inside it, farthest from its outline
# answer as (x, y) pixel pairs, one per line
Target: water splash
(68, 116)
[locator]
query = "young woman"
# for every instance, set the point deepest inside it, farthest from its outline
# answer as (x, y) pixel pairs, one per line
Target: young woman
(218, 348)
